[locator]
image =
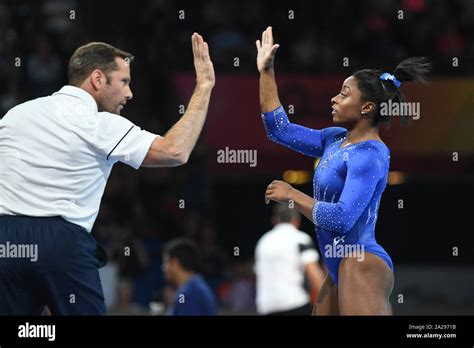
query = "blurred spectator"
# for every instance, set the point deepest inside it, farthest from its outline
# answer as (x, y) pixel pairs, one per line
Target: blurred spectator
(128, 251)
(44, 69)
(181, 264)
(58, 15)
(164, 302)
(283, 256)
(109, 279)
(213, 256)
(239, 294)
(450, 41)
(124, 304)
(10, 99)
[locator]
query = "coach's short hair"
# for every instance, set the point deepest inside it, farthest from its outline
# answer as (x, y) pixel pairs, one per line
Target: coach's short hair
(284, 213)
(94, 55)
(186, 252)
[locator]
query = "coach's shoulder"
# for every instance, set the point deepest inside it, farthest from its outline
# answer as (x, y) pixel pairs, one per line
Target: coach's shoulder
(23, 108)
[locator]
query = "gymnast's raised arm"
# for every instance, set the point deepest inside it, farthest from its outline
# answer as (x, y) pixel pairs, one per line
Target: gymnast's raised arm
(277, 126)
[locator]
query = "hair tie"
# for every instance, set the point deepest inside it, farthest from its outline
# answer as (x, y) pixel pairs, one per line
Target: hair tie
(387, 76)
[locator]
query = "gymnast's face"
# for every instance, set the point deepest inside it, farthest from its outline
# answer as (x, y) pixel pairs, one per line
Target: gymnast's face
(347, 105)
(114, 94)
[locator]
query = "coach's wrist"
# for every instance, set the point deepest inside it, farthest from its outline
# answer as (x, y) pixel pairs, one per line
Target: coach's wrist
(270, 71)
(205, 85)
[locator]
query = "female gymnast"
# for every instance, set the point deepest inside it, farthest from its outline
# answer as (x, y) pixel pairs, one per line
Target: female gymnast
(348, 182)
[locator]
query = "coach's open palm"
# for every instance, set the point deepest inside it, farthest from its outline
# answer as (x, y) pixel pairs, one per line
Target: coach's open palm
(266, 51)
(202, 61)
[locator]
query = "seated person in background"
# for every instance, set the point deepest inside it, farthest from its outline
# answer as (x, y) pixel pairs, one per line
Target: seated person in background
(181, 264)
(125, 304)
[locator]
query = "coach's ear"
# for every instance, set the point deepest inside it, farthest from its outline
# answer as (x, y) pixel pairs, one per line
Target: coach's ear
(98, 79)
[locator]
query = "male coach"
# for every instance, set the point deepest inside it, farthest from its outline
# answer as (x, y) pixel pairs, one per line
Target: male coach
(56, 154)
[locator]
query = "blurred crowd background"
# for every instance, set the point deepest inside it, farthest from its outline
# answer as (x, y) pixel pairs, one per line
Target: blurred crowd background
(224, 212)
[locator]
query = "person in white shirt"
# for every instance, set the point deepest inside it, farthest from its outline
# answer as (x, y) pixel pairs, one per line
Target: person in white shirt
(56, 154)
(284, 258)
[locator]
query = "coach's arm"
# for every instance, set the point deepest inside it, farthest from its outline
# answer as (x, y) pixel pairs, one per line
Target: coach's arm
(175, 147)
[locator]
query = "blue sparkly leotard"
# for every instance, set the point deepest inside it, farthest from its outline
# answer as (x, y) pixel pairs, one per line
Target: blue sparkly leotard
(348, 184)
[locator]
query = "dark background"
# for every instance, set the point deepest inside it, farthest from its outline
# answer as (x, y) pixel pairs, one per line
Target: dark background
(224, 205)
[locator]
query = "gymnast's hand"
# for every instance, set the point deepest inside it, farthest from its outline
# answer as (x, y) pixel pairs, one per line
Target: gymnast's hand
(202, 62)
(266, 51)
(278, 191)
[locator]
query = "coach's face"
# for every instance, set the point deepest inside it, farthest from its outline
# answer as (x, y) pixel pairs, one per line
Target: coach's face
(114, 94)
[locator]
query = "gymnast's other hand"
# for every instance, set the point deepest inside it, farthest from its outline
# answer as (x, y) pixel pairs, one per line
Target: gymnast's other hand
(278, 191)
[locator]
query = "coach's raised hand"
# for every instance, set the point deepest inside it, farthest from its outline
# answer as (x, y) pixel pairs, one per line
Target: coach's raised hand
(175, 147)
(202, 61)
(266, 51)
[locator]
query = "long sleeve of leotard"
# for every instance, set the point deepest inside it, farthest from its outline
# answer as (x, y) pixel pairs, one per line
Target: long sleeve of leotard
(310, 142)
(366, 166)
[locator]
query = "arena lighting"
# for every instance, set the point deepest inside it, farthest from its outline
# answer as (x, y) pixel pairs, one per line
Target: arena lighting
(290, 176)
(297, 177)
(396, 178)
(316, 162)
